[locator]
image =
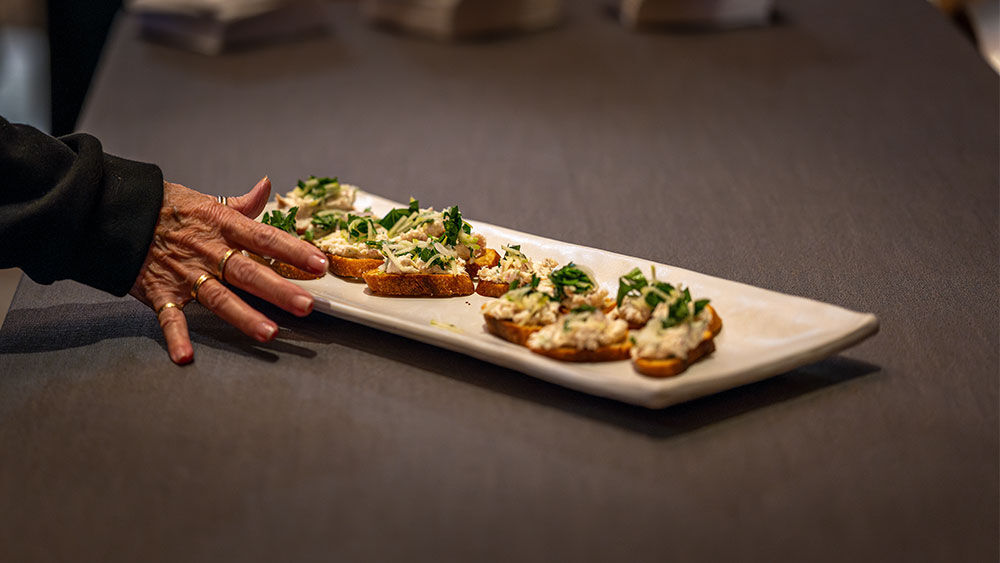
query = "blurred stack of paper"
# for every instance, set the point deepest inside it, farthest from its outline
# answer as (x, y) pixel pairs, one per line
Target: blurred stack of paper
(449, 19)
(212, 26)
(696, 13)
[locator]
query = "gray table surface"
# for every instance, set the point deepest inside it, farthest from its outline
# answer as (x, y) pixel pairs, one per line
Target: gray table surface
(846, 154)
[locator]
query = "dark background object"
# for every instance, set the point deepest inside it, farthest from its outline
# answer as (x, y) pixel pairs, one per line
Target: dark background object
(76, 36)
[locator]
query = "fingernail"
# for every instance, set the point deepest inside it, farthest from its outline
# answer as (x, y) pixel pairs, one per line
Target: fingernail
(302, 303)
(266, 331)
(181, 357)
(317, 264)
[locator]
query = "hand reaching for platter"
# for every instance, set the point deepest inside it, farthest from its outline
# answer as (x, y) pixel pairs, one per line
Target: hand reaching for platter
(196, 246)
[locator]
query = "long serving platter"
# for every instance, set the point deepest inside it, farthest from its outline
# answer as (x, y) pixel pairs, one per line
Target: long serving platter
(765, 333)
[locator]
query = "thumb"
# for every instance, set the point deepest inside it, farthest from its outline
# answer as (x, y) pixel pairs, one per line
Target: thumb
(254, 201)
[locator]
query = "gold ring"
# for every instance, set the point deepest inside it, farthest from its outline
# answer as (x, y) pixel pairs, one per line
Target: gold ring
(222, 199)
(222, 263)
(197, 285)
(168, 305)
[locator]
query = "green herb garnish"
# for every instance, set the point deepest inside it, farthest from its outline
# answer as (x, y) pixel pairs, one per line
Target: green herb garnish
(329, 222)
(630, 284)
(634, 284)
(394, 215)
(570, 276)
(319, 188)
(285, 222)
(682, 309)
(454, 226)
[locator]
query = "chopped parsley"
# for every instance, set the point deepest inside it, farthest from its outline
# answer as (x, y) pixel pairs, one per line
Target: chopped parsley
(283, 221)
(630, 284)
(682, 309)
(329, 222)
(393, 216)
(360, 228)
(634, 284)
(570, 276)
(319, 188)
(453, 226)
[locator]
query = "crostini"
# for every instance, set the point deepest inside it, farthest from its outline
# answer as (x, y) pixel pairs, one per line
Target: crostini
(314, 195)
(419, 268)
(285, 222)
(583, 335)
(679, 332)
(349, 245)
(520, 312)
(515, 266)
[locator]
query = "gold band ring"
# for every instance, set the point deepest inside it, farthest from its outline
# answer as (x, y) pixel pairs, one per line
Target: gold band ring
(197, 284)
(222, 263)
(169, 305)
(222, 199)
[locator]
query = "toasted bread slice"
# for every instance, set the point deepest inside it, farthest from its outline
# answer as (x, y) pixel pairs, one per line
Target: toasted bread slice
(284, 269)
(669, 367)
(415, 285)
(714, 325)
(488, 259)
(351, 267)
(509, 330)
(610, 353)
(488, 288)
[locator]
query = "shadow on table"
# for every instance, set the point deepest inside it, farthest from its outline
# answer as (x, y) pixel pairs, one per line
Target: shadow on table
(62, 327)
(663, 423)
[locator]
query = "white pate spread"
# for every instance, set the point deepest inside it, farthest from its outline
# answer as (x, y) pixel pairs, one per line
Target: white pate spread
(405, 257)
(585, 330)
(656, 342)
(523, 306)
(338, 244)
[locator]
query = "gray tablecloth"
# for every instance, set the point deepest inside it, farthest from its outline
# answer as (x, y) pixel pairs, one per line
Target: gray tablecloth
(847, 154)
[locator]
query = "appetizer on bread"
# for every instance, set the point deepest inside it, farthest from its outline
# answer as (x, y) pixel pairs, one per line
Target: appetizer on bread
(520, 312)
(585, 334)
(428, 253)
(351, 243)
(574, 287)
(419, 268)
(515, 266)
(679, 332)
(285, 222)
(317, 194)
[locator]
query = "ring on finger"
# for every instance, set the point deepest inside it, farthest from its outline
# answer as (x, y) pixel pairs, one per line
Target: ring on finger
(222, 199)
(197, 284)
(168, 305)
(223, 261)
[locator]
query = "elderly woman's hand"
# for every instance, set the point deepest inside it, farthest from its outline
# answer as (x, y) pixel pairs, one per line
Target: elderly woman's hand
(193, 235)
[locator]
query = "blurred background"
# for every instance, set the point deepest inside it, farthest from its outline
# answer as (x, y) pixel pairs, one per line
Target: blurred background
(49, 50)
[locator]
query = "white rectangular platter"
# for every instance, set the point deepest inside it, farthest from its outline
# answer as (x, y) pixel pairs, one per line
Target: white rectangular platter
(764, 333)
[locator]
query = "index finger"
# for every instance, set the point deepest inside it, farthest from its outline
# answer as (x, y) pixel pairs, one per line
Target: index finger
(274, 243)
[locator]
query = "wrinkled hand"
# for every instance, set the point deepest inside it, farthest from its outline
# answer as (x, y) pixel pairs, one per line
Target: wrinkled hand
(192, 235)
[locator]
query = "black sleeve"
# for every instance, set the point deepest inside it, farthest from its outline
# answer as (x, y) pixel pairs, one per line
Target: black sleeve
(70, 211)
